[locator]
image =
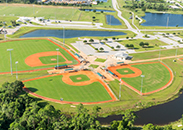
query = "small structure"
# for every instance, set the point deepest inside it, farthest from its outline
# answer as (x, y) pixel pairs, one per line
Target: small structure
(121, 56)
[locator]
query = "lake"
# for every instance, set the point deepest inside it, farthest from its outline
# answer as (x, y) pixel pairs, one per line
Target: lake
(160, 19)
(111, 20)
(71, 33)
(97, 10)
(159, 115)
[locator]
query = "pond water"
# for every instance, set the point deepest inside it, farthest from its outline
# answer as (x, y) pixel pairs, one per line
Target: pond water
(159, 115)
(160, 19)
(71, 33)
(97, 10)
(111, 20)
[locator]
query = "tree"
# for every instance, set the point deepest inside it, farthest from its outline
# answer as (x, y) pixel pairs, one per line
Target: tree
(85, 41)
(141, 44)
(131, 46)
(144, 9)
(91, 40)
(113, 38)
(94, 10)
(102, 11)
(127, 37)
(105, 39)
(127, 45)
(118, 46)
(101, 49)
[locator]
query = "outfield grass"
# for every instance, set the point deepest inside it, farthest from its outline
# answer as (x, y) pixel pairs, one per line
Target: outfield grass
(100, 60)
(23, 49)
(93, 66)
(122, 71)
(54, 87)
(81, 76)
(47, 59)
(156, 76)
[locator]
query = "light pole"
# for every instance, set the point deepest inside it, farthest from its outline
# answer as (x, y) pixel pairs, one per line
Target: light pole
(64, 36)
(16, 70)
(176, 53)
(120, 90)
(57, 57)
(142, 83)
(10, 60)
(33, 9)
(159, 53)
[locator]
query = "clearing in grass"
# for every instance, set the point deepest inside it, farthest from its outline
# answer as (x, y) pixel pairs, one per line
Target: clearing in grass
(100, 60)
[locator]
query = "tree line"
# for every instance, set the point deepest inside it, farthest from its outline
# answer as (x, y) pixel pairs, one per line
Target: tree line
(19, 111)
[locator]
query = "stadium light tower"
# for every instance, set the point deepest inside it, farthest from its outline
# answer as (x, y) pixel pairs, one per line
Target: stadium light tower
(142, 83)
(16, 70)
(64, 36)
(10, 61)
(57, 57)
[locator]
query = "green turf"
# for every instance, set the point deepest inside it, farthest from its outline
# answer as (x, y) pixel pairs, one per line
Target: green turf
(47, 59)
(83, 78)
(23, 49)
(121, 71)
(93, 66)
(100, 60)
(156, 76)
(54, 87)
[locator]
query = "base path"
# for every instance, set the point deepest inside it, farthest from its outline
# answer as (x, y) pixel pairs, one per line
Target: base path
(137, 72)
(94, 78)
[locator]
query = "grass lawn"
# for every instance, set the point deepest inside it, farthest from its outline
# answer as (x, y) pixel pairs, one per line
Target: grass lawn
(100, 60)
(93, 66)
(153, 44)
(124, 71)
(54, 87)
(79, 78)
(49, 59)
(156, 76)
(155, 54)
(23, 49)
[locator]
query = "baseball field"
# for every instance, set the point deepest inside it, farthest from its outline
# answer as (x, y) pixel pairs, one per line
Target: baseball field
(147, 77)
(33, 54)
(76, 87)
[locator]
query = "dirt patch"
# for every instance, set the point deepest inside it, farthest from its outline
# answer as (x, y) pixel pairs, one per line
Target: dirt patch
(34, 61)
(126, 71)
(137, 72)
(53, 59)
(79, 78)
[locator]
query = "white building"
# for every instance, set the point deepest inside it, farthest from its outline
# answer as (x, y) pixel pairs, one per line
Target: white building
(121, 56)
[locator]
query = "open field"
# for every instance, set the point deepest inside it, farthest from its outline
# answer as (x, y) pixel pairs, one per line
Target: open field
(88, 88)
(27, 49)
(153, 44)
(156, 54)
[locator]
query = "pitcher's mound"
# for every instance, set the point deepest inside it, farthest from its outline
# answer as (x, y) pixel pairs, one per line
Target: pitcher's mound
(53, 59)
(126, 71)
(79, 78)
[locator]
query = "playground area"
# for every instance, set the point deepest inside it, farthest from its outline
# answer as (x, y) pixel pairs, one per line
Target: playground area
(72, 87)
(144, 78)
